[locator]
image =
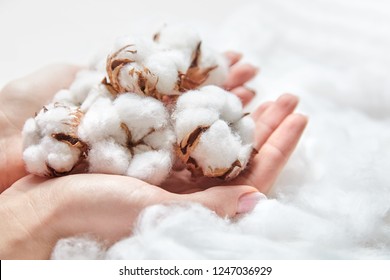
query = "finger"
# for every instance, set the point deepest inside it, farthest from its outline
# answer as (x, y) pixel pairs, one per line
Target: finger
(245, 94)
(233, 57)
(37, 89)
(272, 117)
(239, 74)
(261, 109)
(227, 201)
(274, 154)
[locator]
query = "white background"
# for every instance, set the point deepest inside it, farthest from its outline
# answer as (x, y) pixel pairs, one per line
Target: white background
(35, 33)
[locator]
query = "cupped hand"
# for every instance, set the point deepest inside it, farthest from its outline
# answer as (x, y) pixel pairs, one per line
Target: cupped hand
(36, 212)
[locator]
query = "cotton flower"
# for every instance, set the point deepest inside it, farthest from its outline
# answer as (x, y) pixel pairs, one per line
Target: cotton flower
(214, 136)
(122, 124)
(173, 62)
(52, 147)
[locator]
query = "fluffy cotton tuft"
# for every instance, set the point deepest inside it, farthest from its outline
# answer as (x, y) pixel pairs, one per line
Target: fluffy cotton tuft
(209, 133)
(175, 62)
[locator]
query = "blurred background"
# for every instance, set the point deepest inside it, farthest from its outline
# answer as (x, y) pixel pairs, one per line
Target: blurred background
(35, 33)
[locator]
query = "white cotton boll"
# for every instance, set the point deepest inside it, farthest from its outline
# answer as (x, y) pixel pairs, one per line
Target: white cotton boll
(244, 154)
(218, 147)
(152, 167)
(227, 104)
(211, 58)
(179, 58)
(178, 37)
(83, 83)
(35, 159)
(108, 157)
(30, 133)
(101, 121)
(100, 91)
(60, 156)
(245, 127)
(206, 97)
(141, 148)
(188, 120)
(56, 118)
(141, 114)
(139, 48)
(161, 139)
(166, 66)
(129, 77)
(64, 96)
(232, 109)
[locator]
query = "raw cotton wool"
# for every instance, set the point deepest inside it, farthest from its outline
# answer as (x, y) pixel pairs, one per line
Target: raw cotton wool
(159, 100)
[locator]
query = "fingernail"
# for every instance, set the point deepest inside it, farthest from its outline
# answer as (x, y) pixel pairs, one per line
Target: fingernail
(247, 202)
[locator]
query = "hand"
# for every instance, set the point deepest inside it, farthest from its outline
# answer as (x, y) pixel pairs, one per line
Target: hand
(37, 211)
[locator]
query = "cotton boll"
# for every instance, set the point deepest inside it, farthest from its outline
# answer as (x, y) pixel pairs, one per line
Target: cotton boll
(245, 154)
(152, 167)
(108, 157)
(166, 66)
(232, 109)
(211, 58)
(83, 83)
(141, 114)
(161, 139)
(138, 48)
(227, 104)
(30, 133)
(34, 158)
(51, 153)
(245, 127)
(61, 156)
(100, 122)
(130, 77)
(64, 96)
(188, 120)
(206, 97)
(57, 118)
(217, 149)
(95, 93)
(178, 37)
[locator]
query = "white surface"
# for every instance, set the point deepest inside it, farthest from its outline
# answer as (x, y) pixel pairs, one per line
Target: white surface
(333, 198)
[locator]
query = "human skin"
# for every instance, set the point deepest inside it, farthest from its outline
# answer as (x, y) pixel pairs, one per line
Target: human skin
(35, 212)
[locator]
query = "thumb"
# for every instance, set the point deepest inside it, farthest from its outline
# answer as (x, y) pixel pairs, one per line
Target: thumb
(228, 201)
